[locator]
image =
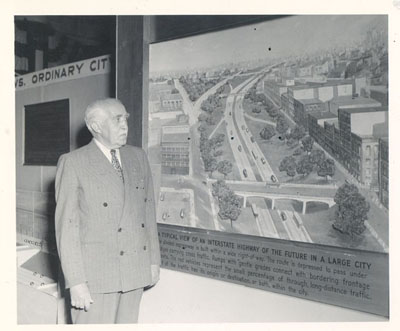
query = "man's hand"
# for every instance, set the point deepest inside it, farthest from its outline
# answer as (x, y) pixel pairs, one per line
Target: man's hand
(155, 274)
(80, 297)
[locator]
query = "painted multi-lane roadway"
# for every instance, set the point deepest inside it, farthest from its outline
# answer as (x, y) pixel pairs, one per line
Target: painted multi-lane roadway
(252, 163)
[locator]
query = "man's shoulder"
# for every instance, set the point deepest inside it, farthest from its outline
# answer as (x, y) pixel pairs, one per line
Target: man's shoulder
(133, 149)
(78, 153)
(134, 154)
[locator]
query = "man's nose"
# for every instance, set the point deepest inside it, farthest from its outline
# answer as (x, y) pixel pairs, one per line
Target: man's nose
(123, 123)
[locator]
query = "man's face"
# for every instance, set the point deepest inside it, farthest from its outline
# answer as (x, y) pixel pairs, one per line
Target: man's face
(114, 127)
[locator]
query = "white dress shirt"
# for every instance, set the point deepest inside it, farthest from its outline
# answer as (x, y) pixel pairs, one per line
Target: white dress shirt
(107, 151)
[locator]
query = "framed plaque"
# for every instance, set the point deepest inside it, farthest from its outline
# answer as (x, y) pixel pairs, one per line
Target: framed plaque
(47, 132)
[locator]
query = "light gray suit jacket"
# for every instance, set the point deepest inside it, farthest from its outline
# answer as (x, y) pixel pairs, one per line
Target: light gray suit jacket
(106, 230)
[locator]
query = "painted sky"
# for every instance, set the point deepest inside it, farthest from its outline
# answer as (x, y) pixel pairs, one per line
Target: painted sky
(287, 36)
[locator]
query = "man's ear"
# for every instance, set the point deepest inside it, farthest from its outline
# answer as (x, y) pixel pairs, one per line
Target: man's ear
(95, 126)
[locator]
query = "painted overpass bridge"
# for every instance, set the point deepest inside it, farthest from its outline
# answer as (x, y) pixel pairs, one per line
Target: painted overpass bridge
(279, 196)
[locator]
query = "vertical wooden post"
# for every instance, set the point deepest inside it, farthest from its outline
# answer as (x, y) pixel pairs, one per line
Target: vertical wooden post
(132, 73)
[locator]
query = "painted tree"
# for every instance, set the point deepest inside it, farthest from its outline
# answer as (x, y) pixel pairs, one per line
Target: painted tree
(210, 163)
(203, 117)
(267, 132)
(291, 142)
(205, 146)
(220, 189)
(288, 164)
(203, 137)
(261, 98)
(307, 143)
(304, 166)
(210, 120)
(298, 132)
(281, 125)
(291, 169)
(202, 127)
(327, 168)
(230, 207)
(285, 162)
(298, 151)
(210, 104)
(224, 167)
(317, 157)
(352, 210)
(229, 203)
(217, 140)
(218, 152)
(273, 112)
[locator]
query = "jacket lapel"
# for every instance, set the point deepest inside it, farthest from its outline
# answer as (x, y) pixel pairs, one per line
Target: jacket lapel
(103, 169)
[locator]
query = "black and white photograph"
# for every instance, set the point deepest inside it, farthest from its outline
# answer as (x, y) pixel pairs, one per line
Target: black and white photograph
(202, 167)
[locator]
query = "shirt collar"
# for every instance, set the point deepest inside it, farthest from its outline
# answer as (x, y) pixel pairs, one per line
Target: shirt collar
(106, 151)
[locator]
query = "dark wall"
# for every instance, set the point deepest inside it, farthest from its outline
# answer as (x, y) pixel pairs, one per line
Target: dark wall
(177, 26)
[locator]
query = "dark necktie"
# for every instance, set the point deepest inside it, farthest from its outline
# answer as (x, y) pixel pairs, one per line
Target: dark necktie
(116, 164)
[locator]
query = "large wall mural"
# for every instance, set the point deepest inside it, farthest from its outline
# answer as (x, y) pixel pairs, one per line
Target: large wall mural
(269, 146)
(268, 130)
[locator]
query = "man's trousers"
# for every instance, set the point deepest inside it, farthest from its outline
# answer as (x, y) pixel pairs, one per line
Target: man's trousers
(110, 308)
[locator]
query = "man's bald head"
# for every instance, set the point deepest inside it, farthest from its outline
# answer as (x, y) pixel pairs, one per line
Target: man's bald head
(100, 109)
(107, 121)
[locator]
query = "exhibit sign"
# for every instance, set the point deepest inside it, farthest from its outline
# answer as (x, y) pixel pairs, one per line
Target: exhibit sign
(273, 140)
(348, 278)
(75, 70)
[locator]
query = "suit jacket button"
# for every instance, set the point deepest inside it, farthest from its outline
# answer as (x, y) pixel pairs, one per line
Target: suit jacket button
(144, 248)
(120, 229)
(105, 204)
(145, 199)
(121, 253)
(142, 225)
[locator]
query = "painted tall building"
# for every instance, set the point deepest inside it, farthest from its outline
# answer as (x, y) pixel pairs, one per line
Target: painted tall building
(359, 152)
(302, 107)
(175, 150)
(352, 139)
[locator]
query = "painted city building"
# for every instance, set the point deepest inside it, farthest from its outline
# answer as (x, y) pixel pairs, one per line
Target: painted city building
(171, 101)
(175, 150)
(379, 93)
(350, 102)
(322, 91)
(359, 151)
(302, 107)
(275, 90)
(352, 139)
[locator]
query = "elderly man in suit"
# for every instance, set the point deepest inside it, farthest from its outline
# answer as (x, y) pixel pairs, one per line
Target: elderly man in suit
(106, 228)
